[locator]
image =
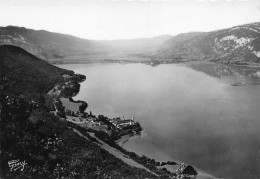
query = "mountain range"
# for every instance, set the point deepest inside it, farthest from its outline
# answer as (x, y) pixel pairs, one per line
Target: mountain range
(47, 45)
(236, 45)
(239, 44)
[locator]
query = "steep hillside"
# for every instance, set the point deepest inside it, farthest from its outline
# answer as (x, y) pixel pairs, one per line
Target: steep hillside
(239, 44)
(47, 45)
(36, 143)
(27, 73)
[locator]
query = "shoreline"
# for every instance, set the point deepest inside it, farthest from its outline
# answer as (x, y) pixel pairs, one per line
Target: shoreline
(172, 168)
(156, 62)
(126, 137)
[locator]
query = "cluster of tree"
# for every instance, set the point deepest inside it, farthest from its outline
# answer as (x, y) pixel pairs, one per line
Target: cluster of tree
(168, 163)
(79, 77)
(83, 107)
(70, 113)
(70, 91)
(73, 88)
(50, 147)
(105, 120)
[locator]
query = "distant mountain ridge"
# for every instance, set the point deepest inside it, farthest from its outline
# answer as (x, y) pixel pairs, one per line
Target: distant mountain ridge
(239, 44)
(236, 45)
(56, 47)
(48, 45)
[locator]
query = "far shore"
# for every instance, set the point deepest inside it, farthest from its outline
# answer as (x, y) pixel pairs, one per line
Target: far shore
(148, 61)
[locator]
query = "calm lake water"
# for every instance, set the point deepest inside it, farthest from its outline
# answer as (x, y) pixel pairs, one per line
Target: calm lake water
(207, 115)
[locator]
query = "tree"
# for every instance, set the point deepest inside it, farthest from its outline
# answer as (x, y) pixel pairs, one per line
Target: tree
(83, 107)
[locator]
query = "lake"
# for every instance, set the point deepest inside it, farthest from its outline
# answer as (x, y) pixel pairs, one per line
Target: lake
(204, 114)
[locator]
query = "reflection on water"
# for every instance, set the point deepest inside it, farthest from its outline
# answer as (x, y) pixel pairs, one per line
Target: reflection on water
(190, 112)
(235, 75)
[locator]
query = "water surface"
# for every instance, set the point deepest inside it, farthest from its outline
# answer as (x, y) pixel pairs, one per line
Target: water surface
(207, 115)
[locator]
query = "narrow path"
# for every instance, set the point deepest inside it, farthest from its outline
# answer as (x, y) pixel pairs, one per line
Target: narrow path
(116, 152)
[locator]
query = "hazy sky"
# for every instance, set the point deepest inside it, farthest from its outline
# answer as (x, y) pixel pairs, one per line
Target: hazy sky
(122, 19)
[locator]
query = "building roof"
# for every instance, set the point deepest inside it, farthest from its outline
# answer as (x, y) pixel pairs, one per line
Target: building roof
(125, 121)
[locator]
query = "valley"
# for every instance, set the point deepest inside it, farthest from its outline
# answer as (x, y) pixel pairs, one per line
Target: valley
(170, 106)
(238, 45)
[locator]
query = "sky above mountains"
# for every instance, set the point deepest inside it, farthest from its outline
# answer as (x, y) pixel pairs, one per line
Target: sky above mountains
(126, 19)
